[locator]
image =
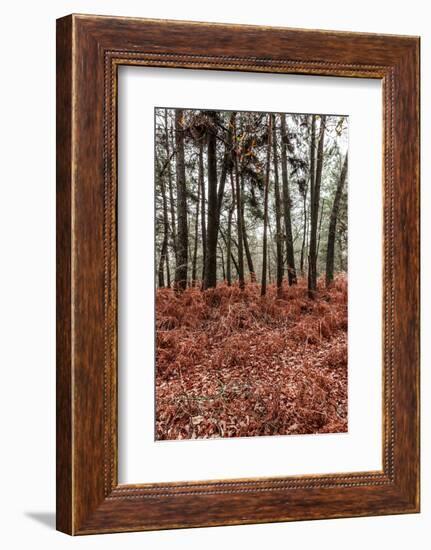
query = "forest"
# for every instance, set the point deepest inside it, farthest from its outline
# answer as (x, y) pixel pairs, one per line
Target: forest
(251, 260)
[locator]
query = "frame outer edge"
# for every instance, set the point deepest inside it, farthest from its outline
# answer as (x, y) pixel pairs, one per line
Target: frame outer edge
(407, 268)
(81, 508)
(64, 367)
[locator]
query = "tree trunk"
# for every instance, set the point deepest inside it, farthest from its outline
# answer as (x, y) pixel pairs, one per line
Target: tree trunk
(290, 253)
(182, 230)
(244, 234)
(168, 272)
(229, 248)
(227, 162)
(312, 177)
(319, 232)
(210, 279)
(239, 221)
(265, 211)
(278, 232)
(272, 255)
(222, 262)
(304, 232)
(195, 248)
(170, 185)
(210, 235)
(232, 257)
(164, 255)
(314, 207)
(162, 262)
(333, 224)
(248, 253)
(229, 237)
(203, 225)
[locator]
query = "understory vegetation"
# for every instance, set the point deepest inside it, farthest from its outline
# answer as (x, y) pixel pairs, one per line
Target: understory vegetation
(231, 362)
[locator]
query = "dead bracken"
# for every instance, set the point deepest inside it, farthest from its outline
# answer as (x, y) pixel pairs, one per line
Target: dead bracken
(231, 363)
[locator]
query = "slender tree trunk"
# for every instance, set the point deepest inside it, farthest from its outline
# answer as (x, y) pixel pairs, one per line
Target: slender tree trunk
(307, 240)
(164, 255)
(265, 211)
(319, 232)
(244, 234)
(314, 209)
(195, 248)
(232, 257)
(203, 225)
(182, 229)
(222, 262)
(312, 178)
(168, 272)
(269, 266)
(272, 255)
(229, 248)
(189, 251)
(240, 254)
(170, 186)
(227, 162)
(304, 232)
(215, 196)
(278, 232)
(290, 253)
(229, 237)
(162, 262)
(239, 219)
(250, 264)
(210, 279)
(333, 224)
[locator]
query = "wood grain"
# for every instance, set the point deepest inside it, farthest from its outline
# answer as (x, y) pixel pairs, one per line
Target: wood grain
(64, 496)
(89, 51)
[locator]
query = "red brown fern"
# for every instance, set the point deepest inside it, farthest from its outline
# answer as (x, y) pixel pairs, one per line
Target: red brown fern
(231, 363)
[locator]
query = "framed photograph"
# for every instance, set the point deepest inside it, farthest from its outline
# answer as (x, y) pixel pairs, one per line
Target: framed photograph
(237, 274)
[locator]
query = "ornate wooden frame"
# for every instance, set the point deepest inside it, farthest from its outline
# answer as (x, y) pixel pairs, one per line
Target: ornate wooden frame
(89, 51)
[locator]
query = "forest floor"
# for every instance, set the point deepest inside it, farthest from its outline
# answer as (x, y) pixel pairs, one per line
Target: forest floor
(232, 363)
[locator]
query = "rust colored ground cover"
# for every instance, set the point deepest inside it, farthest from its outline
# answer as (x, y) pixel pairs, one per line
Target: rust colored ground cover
(230, 363)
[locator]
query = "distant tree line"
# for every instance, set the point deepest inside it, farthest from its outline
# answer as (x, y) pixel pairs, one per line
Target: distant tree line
(248, 196)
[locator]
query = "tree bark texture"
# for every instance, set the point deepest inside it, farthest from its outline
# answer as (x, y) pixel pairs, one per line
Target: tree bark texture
(182, 229)
(210, 279)
(265, 212)
(290, 253)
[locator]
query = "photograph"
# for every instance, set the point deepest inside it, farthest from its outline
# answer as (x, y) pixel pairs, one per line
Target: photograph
(251, 263)
(211, 299)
